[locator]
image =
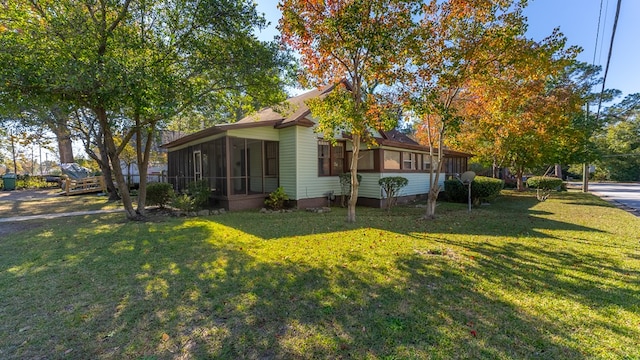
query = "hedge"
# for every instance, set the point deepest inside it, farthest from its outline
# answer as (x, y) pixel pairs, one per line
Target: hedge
(544, 182)
(544, 185)
(482, 189)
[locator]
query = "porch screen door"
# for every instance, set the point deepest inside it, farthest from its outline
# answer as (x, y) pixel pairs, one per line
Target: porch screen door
(197, 165)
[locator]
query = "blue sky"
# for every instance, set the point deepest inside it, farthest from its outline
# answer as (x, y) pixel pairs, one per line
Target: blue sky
(578, 20)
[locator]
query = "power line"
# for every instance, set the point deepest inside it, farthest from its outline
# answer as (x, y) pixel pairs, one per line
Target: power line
(604, 25)
(606, 69)
(595, 49)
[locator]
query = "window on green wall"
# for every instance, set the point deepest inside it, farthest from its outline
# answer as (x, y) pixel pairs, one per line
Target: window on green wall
(330, 158)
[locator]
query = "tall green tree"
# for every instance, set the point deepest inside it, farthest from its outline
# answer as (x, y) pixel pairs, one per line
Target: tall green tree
(135, 63)
(360, 41)
(618, 142)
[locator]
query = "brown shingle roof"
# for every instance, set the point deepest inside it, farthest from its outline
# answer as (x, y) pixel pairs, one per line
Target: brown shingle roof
(292, 112)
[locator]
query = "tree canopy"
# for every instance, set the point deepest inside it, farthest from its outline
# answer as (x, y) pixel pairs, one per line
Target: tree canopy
(359, 42)
(458, 43)
(135, 63)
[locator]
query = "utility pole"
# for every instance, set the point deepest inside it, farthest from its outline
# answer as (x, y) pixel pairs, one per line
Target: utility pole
(585, 177)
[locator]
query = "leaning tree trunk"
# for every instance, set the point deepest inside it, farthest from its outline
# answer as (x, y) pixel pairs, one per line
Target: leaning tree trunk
(103, 161)
(115, 164)
(105, 168)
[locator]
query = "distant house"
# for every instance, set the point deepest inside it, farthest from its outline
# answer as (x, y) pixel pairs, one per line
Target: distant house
(244, 161)
(157, 167)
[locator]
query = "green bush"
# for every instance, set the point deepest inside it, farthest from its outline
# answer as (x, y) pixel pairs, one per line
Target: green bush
(391, 186)
(544, 182)
(455, 190)
(482, 189)
(544, 185)
(485, 188)
(159, 194)
(199, 191)
(276, 199)
(184, 202)
(30, 182)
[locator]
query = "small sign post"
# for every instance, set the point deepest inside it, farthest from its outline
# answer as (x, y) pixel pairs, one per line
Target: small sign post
(466, 179)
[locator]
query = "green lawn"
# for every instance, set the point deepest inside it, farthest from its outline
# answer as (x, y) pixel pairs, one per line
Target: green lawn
(515, 280)
(56, 204)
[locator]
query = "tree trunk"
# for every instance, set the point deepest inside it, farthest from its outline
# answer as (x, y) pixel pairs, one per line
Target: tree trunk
(353, 200)
(58, 123)
(108, 174)
(13, 153)
(65, 148)
(519, 182)
(432, 200)
(115, 164)
(434, 179)
(143, 155)
(558, 171)
(105, 168)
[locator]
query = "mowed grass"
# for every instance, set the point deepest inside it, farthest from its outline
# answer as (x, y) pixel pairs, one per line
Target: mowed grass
(515, 280)
(56, 204)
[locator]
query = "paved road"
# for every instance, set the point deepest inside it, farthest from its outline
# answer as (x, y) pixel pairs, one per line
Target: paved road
(627, 194)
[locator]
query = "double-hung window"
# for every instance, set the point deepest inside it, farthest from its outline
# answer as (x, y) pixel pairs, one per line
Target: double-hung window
(330, 158)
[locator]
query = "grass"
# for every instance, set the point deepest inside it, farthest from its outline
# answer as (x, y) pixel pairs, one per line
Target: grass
(517, 279)
(59, 204)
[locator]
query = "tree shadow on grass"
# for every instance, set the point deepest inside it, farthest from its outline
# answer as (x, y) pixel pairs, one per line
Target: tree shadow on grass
(512, 216)
(125, 293)
(574, 198)
(222, 287)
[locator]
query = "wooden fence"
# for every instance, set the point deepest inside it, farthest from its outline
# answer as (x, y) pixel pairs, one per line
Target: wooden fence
(86, 185)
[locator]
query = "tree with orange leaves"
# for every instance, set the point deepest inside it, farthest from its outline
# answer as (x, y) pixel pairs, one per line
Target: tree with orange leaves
(522, 111)
(458, 41)
(362, 41)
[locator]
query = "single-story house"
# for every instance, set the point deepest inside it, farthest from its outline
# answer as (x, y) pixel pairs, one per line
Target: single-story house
(244, 161)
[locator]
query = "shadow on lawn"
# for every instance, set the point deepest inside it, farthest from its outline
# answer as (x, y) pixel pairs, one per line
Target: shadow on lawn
(510, 216)
(197, 295)
(129, 291)
(574, 198)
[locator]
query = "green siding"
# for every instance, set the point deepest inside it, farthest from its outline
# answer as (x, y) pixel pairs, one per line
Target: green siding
(418, 184)
(310, 185)
(287, 162)
(260, 133)
(369, 187)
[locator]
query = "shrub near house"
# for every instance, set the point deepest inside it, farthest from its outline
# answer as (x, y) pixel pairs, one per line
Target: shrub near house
(482, 189)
